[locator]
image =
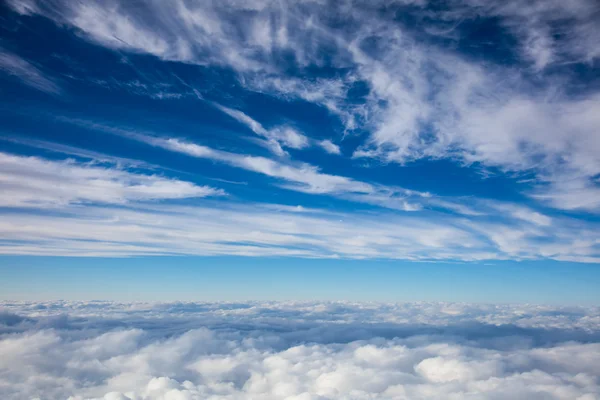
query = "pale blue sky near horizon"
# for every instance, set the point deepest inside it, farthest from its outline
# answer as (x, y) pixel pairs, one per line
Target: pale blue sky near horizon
(242, 278)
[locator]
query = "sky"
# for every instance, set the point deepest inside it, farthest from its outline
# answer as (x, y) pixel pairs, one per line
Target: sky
(295, 150)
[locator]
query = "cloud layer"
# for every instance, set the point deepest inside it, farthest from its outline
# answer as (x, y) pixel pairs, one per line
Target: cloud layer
(98, 350)
(113, 208)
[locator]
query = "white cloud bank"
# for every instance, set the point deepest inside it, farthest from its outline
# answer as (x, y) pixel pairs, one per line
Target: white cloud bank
(193, 351)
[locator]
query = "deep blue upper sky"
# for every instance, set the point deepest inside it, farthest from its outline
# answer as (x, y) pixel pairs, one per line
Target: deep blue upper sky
(458, 131)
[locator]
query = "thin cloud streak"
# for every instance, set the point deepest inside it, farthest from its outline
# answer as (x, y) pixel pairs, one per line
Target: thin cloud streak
(16, 66)
(208, 228)
(35, 182)
(301, 177)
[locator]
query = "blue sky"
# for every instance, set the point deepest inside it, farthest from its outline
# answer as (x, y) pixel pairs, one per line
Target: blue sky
(404, 150)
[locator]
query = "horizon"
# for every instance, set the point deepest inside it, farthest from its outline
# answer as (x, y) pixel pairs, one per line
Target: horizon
(250, 279)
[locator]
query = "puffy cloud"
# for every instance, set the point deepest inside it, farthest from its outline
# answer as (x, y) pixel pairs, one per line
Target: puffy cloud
(296, 350)
(330, 147)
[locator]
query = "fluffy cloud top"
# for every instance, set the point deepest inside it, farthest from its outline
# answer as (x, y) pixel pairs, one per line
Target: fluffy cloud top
(109, 351)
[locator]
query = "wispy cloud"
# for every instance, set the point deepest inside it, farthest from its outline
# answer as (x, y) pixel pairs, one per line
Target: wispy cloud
(415, 99)
(93, 157)
(16, 66)
(40, 183)
(235, 230)
(276, 137)
(120, 219)
(280, 136)
(400, 96)
(301, 177)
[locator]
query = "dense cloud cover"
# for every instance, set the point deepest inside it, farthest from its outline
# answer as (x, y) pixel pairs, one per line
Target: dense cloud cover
(274, 350)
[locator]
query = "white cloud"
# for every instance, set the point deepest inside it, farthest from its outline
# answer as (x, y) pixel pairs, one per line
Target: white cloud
(330, 147)
(276, 137)
(272, 230)
(522, 213)
(297, 350)
(300, 176)
(571, 194)
(328, 93)
(14, 65)
(241, 230)
(475, 119)
(25, 7)
(108, 25)
(94, 156)
(35, 182)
